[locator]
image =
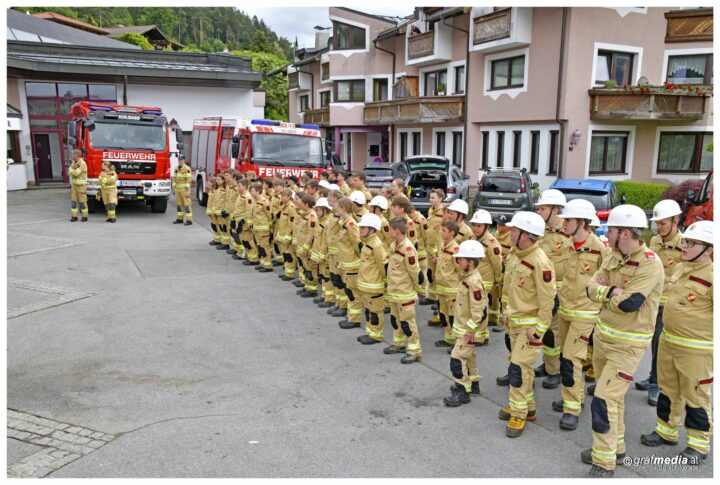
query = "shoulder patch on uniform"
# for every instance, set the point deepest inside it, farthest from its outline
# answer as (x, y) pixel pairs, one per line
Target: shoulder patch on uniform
(650, 254)
(411, 259)
(496, 250)
(547, 276)
(456, 249)
(409, 248)
(351, 223)
(386, 228)
(477, 294)
(312, 223)
(292, 219)
(525, 263)
(633, 263)
(425, 226)
(701, 281)
(412, 233)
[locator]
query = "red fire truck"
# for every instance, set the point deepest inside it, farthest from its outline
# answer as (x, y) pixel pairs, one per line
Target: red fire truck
(135, 139)
(266, 147)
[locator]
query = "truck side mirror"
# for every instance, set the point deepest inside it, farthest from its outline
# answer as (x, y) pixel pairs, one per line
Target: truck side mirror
(90, 125)
(179, 136)
(71, 141)
(691, 195)
(180, 145)
(235, 149)
(72, 129)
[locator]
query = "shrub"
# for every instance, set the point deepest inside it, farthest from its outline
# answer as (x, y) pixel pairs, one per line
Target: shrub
(678, 192)
(642, 194)
(135, 39)
(610, 84)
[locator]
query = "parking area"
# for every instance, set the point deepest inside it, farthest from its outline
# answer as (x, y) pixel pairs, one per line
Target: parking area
(137, 350)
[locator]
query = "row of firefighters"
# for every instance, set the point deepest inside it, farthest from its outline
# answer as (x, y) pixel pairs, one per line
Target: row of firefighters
(544, 278)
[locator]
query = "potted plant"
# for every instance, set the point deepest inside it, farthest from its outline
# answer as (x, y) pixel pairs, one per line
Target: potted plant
(441, 89)
(610, 84)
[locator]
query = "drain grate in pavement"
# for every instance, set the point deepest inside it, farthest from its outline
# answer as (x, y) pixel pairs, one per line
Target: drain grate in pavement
(62, 443)
(57, 296)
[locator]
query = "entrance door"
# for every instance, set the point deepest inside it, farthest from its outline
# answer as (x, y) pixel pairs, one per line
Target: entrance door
(41, 153)
(374, 142)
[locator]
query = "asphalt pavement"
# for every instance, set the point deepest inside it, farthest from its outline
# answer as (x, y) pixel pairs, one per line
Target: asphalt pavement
(148, 353)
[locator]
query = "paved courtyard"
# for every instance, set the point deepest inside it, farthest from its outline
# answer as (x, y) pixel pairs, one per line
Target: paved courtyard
(137, 350)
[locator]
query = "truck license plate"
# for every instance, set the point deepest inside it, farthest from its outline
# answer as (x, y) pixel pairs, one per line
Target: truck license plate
(127, 191)
(501, 201)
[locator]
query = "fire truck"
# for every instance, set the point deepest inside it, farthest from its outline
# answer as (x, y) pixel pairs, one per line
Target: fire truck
(267, 147)
(135, 139)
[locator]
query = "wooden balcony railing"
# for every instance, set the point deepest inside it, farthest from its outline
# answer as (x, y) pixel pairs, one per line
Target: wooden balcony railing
(427, 109)
(421, 45)
(695, 25)
(618, 104)
(320, 117)
(492, 26)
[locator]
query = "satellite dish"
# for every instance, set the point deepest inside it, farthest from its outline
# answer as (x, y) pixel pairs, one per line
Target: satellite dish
(643, 80)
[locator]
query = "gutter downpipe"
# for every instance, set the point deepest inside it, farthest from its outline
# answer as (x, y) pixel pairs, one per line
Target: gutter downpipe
(467, 83)
(390, 128)
(561, 66)
(125, 82)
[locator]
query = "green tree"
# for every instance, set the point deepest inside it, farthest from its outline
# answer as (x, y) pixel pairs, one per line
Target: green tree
(276, 96)
(135, 39)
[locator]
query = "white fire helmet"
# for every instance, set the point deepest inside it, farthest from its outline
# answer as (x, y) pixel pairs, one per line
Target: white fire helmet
(357, 197)
(481, 216)
(552, 197)
(370, 220)
(578, 209)
(458, 205)
(627, 215)
(664, 209)
(323, 202)
(529, 222)
(379, 201)
(700, 231)
(470, 249)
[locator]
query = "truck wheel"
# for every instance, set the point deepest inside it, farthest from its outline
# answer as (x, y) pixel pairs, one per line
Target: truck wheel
(159, 204)
(202, 197)
(92, 204)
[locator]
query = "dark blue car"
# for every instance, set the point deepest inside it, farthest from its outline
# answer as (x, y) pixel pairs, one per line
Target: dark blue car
(602, 193)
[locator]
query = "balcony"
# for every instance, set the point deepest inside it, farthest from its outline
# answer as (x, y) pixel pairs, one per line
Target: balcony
(421, 45)
(320, 117)
(299, 80)
(428, 109)
(694, 25)
(652, 104)
(491, 27)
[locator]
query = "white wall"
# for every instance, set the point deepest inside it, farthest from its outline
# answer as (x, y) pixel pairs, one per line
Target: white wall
(186, 103)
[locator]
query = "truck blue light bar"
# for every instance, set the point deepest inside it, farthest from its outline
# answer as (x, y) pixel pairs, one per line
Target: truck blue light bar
(100, 108)
(310, 127)
(152, 112)
(265, 122)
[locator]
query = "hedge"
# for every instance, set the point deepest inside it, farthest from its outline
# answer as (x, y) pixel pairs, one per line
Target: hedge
(642, 194)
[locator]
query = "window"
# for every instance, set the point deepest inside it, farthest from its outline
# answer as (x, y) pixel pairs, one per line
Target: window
(325, 71)
(485, 142)
(350, 90)
(72, 90)
(500, 158)
(435, 82)
(614, 65)
(348, 37)
(416, 143)
(440, 143)
(40, 90)
(693, 69)
(608, 152)
(104, 92)
(324, 99)
(403, 145)
(684, 152)
(508, 73)
(380, 89)
(225, 145)
(534, 151)
(517, 148)
(457, 154)
(13, 146)
(304, 103)
(460, 80)
(554, 152)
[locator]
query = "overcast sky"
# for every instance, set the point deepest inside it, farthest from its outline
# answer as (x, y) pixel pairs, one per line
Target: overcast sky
(290, 22)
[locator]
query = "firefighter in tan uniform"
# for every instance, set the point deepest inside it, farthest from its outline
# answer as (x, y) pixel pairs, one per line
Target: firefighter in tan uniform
(181, 184)
(228, 207)
(78, 186)
(666, 244)
(349, 262)
(549, 206)
(339, 306)
(261, 227)
(432, 238)
(530, 292)
(244, 205)
(210, 210)
(470, 309)
(108, 189)
(447, 279)
(502, 234)
(685, 358)
(422, 226)
(401, 207)
(358, 205)
(371, 278)
(304, 242)
(379, 205)
(218, 210)
(490, 267)
(278, 186)
(357, 183)
(318, 250)
(403, 278)
(284, 234)
(457, 211)
(628, 285)
(583, 254)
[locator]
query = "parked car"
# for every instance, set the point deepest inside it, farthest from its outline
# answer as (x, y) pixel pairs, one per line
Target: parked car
(429, 172)
(602, 193)
(505, 192)
(700, 204)
(382, 174)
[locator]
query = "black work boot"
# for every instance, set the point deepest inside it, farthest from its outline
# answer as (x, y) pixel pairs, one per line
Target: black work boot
(188, 223)
(277, 263)
(177, 221)
(540, 371)
(318, 299)
(108, 220)
(236, 257)
(503, 381)
(73, 219)
(263, 269)
(214, 243)
(443, 343)
(568, 422)
(391, 349)
(410, 359)
(586, 457)
(345, 325)
(285, 277)
(475, 389)
(654, 439)
(250, 263)
(458, 397)
(230, 251)
(298, 283)
(693, 456)
(83, 219)
(309, 294)
(600, 472)
(325, 304)
(222, 247)
(340, 312)
(368, 340)
(551, 381)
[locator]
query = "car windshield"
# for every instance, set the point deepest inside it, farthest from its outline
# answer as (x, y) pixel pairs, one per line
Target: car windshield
(598, 199)
(501, 184)
(378, 172)
(129, 136)
(296, 150)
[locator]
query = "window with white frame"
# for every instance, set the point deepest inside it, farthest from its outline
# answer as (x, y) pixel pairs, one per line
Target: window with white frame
(350, 91)
(348, 36)
(324, 99)
(459, 80)
(616, 66)
(380, 89)
(436, 82)
(690, 69)
(685, 152)
(440, 143)
(457, 148)
(608, 152)
(304, 102)
(508, 73)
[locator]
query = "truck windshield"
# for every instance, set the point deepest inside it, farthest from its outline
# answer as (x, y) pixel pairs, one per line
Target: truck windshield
(295, 150)
(128, 136)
